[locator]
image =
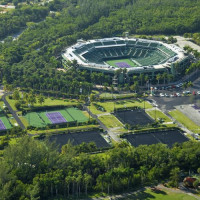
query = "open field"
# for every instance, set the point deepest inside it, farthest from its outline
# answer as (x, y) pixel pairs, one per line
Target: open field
(158, 195)
(128, 61)
(109, 105)
(110, 121)
(188, 123)
(158, 114)
(48, 102)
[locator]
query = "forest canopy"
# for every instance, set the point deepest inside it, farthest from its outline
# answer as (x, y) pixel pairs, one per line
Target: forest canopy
(35, 55)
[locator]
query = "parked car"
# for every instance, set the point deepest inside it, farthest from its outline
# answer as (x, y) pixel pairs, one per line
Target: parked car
(167, 95)
(162, 95)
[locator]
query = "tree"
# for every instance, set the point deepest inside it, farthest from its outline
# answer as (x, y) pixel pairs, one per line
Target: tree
(32, 99)
(158, 77)
(16, 95)
(196, 184)
(87, 178)
(185, 85)
(174, 177)
(189, 84)
(41, 99)
(141, 77)
(164, 76)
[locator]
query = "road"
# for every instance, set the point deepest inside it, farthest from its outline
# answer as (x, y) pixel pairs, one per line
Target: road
(14, 113)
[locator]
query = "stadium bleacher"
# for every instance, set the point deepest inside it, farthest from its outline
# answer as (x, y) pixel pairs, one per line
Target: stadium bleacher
(144, 53)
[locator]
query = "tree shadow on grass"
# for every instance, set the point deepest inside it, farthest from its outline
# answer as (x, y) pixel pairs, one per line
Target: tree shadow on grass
(143, 195)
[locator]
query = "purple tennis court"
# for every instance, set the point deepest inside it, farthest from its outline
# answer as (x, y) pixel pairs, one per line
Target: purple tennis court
(56, 117)
(123, 65)
(2, 126)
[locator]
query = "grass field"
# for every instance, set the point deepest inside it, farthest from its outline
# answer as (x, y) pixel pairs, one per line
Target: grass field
(128, 61)
(158, 115)
(188, 123)
(109, 105)
(110, 121)
(159, 195)
(61, 130)
(48, 102)
(106, 94)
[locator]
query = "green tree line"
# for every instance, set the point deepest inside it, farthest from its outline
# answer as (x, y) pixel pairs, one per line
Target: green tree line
(32, 169)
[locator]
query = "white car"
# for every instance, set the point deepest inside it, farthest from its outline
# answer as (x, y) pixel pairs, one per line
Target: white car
(178, 94)
(198, 92)
(162, 95)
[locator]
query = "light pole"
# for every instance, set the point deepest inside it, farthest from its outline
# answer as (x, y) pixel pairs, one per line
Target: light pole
(89, 107)
(144, 101)
(114, 103)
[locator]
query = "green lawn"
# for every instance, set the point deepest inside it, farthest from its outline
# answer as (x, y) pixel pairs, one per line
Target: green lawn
(110, 121)
(57, 102)
(11, 102)
(61, 130)
(109, 105)
(106, 94)
(158, 115)
(159, 195)
(48, 102)
(188, 123)
(128, 61)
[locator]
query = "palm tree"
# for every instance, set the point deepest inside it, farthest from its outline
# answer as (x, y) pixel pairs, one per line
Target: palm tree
(164, 76)
(87, 180)
(41, 99)
(158, 77)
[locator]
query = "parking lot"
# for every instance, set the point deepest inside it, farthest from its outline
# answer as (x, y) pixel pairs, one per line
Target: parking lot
(167, 99)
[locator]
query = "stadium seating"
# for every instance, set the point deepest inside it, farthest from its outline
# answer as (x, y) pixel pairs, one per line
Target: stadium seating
(120, 42)
(144, 53)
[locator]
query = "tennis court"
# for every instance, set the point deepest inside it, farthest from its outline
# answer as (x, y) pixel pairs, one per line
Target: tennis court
(4, 123)
(42, 119)
(134, 117)
(122, 63)
(80, 137)
(168, 137)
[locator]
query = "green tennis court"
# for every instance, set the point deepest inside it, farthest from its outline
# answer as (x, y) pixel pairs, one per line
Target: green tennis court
(6, 122)
(40, 119)
(77, 114)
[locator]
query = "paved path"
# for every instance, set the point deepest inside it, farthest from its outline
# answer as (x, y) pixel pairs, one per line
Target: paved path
(112, 135)
(123, 196)
(181, 41)
(14, 113)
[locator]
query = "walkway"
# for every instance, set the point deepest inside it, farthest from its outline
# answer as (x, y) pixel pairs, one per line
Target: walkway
(14, 113)
(181, 41)
(112, 135)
